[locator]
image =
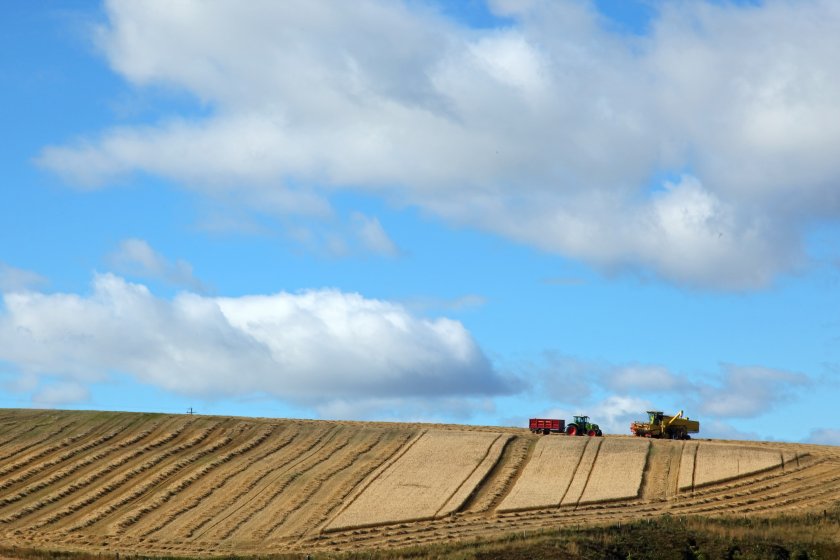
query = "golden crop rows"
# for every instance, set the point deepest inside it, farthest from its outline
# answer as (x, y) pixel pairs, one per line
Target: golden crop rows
(195, 485)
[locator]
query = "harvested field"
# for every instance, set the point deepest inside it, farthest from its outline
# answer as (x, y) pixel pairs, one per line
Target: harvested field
(547, 475)
(718, 462)
(180, 485)
(687, 464)
(582, 472)
(427, 481)
(617, 472)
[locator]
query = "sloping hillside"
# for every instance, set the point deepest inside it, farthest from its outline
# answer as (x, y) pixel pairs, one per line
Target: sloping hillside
(177, 484)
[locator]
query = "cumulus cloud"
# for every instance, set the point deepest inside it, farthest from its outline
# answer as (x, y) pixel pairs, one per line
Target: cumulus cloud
(16, 279)
(547, 131)
(136, 257)
(734, 391)
(315, 348)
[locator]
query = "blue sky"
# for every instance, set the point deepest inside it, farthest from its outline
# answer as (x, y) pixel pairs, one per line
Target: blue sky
(468, 212)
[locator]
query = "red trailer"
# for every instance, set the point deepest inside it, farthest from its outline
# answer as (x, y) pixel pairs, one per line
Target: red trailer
(547, 425)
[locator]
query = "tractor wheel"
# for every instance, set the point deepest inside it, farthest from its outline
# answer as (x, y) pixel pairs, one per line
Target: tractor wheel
(571, 430)
(599, 433)
(591, 433)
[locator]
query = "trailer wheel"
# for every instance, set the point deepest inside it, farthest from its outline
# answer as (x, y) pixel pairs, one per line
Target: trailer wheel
(571, 430)
(546, 431)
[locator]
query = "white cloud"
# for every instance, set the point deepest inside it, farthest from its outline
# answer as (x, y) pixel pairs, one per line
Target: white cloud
(372, 236)
(564, 378)
(61, 393)
(644, 378)
(825, 436)
(313, 348)
(16, 279)
(428, 304)
(136, 257)
(749, 391)
(719, 429)
(547, 131)
(613, 414)
(735, 391)
(442, 409)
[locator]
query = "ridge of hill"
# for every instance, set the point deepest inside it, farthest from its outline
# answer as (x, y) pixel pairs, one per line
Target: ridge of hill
(192, 485)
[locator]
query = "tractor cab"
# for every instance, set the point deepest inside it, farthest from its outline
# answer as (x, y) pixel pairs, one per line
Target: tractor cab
(582, 427)
(655, 417)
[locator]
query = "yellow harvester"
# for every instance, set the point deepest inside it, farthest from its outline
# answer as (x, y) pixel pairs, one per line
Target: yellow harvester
(661, 425)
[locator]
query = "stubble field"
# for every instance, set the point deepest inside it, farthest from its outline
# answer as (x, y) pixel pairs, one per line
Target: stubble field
(200, 485)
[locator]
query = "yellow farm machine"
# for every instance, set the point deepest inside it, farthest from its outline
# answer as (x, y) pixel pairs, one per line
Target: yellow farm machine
(661, 425)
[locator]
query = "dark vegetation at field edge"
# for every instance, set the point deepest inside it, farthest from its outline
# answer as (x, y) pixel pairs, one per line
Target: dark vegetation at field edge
(809, 537)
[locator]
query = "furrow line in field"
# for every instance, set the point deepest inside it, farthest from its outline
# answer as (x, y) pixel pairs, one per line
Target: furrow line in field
(347, 489)
(41, 467)
(314, 486)
(64, 473)
(307, 462)
(181, 485)
(142, 489)
(41, 441)
(219, 484)
(110, 487)
(628, 457)
(599, 442)
(765, 496)
(501, 479)
(775, 501)
(471, 526)
(583, 470)
(17, 435)
(412, 489)
(563, 515)
(816, 496)
(387, 536)
(553, 517)
(750, 480)
(360, 489)
(602, 508)
(633, 506)
(82, 483)
(470, 485)
(227, 508)
(67, 442)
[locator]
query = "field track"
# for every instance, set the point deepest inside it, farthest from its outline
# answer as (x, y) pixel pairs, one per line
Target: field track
(203, 485)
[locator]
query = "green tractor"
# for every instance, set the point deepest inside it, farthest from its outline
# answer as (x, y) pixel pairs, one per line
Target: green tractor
(583, 427)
